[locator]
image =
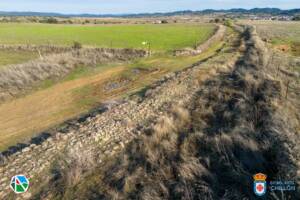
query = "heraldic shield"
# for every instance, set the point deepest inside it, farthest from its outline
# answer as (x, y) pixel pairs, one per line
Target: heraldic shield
(260, 188)
(260, 184)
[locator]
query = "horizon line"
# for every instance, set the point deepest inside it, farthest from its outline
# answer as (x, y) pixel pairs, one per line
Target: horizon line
(141, 13)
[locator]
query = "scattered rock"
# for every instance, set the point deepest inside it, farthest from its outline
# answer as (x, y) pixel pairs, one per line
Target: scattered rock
(26, 149)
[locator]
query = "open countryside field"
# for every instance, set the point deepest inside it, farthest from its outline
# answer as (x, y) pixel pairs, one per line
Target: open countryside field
(284, 36)
(160, 36)
(82, 90)
(203, 109)
(222, 107)
(56, 101)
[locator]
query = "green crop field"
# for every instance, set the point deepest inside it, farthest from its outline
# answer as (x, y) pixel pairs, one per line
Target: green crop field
(160, 36)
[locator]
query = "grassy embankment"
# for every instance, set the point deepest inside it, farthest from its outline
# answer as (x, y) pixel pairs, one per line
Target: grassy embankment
(84, 88)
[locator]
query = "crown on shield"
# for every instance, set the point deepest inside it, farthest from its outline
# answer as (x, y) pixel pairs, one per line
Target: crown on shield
(260, 177)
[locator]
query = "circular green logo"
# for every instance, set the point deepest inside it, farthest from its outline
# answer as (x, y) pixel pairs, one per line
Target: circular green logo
(19, 184)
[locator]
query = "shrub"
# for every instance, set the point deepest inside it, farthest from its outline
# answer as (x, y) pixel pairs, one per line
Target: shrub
(217, 20)
(296, 18)
(51, 21)
(228, 23)
(77, 45)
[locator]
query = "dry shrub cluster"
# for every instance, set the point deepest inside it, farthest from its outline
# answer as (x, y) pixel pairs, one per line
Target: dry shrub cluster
(17, 79)
(78, 162)
(159, 165)
(257, 54)
(68, 170)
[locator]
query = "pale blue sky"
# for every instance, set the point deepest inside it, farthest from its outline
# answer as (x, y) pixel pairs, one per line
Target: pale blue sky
(136, 6)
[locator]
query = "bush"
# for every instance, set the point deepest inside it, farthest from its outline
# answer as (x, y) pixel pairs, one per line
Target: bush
(51, 21)
(77, 45)
(296, 48)
(296, 18)
(217, 20)
(228, 23)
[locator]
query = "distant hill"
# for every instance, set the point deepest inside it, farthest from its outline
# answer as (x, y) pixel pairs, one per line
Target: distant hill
(271, 11)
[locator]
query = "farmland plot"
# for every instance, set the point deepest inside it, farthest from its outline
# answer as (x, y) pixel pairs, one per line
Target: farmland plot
(161, 37)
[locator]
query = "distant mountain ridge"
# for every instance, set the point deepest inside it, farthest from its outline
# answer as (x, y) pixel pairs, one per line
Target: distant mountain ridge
(272, 11)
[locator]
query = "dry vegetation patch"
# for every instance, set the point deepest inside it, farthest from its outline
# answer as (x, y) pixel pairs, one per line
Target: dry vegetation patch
(284, 36)
(17, 79)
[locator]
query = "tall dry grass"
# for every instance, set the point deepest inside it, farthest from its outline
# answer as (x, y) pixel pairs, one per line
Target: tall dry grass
(17, 79)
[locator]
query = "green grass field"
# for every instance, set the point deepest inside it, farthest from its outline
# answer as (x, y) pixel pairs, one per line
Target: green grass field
(160, 36)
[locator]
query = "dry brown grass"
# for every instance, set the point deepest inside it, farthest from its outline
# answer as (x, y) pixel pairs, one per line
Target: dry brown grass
(17, 79)
(77, 163)
(282, 35)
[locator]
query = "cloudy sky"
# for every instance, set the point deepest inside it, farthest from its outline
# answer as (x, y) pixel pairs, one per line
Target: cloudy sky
(136, 6)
